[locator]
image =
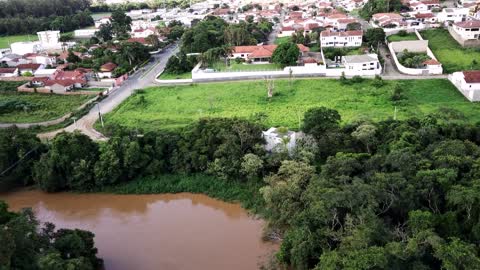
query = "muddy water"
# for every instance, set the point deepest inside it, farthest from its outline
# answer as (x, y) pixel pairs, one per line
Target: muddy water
(157, 232)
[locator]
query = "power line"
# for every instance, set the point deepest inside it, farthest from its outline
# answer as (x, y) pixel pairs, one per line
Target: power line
(18, 161)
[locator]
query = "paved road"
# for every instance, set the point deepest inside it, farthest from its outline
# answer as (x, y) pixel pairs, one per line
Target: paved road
(276, 29)
(141, 79)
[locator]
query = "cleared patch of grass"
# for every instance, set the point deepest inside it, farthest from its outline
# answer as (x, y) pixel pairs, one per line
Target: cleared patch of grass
(409, 36)
(281, 40)
(170, 76)
(246, 193)
(47, 106)
(453, 56)
(175, 107)
(6, 40)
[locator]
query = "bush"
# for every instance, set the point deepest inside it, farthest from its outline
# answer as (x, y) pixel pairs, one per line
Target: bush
(356, 79)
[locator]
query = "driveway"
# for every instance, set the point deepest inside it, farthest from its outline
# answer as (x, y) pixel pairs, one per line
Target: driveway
(145, 77)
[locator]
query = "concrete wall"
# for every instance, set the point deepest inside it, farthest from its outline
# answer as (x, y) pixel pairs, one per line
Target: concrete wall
(43, 90)
(410, 45)
(414, 46)
(471, 94)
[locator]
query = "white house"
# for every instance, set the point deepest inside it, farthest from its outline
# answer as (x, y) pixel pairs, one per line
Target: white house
(453, 15)
(341, 39)
(467, 30)
(49, 39)
(277, 139)
(468, 83)
(143, 33)
(22, 48)
(366, 64)
(8, 72)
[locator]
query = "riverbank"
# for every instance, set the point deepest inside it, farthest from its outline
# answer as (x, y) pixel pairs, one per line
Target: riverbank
(246, 193)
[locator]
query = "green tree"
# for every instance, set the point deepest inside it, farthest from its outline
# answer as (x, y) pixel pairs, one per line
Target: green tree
(121, 24)
(251, 165)
(286, 54)
(317, 121)
(375, 37)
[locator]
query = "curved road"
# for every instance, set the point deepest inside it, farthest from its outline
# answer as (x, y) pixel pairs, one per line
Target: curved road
(141, 79)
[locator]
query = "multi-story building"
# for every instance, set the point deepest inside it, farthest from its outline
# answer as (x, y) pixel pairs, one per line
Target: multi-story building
(341, 39)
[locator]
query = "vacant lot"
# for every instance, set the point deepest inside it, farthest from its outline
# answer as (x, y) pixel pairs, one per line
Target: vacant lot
(450, 53)
(174, 107)
(6, 40)
(409, 36)
(31, 107)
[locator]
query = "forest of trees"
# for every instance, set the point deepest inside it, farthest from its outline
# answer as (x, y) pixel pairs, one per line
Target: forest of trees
(364, 195)
(29, 17)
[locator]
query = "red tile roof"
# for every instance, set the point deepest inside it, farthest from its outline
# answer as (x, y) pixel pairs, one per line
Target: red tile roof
(310, 60)
(7, 70)
(108, 67)
(424, 15)
(472, 76)
(468, 24)
(28, 66)
(263, 51)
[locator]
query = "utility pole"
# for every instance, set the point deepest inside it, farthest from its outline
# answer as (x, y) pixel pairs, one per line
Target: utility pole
(100, 115)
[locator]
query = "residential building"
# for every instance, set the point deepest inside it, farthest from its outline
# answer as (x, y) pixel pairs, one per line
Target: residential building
(387, 20)
(467, 30)
(106, 70)
(359, 64)
(468, 83)
(259, 54)
(22, 48)
(49, 39)
(453, 15)
(8, 72)
(341, 39)
(143, 33)
(29, 68)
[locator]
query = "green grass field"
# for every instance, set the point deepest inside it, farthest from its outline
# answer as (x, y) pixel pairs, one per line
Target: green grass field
(281, 40)
(449, 52)
(169, 76)
(6, 40)
(409, 36)
(220, 66)
(174, 107)
(48, 106)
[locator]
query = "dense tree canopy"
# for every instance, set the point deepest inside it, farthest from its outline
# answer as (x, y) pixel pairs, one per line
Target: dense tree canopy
(286, 54)
(29, 17)
(27, 244)
(379, 6)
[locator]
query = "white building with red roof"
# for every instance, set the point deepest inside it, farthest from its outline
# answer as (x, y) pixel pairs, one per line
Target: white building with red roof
(341, 39)
(259, 54)
(467, 30)
(468, 83)
(387, 19)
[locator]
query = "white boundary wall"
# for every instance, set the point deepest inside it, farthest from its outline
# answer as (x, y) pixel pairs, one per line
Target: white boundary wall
(415, 71)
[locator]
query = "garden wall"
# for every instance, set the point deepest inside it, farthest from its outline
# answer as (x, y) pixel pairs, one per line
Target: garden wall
(43, 90)
(413, 46)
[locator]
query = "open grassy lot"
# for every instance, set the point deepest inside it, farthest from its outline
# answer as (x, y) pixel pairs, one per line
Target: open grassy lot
(35, 107)
(170, 76)
(280, 40)
(449, 52)
(409, 36)
(220, 66)
(6, 40)
(174, 107)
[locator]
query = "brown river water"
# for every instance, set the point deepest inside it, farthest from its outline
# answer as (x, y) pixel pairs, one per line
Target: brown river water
(156, 232)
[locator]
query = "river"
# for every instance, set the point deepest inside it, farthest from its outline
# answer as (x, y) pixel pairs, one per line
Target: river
(158, 232)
